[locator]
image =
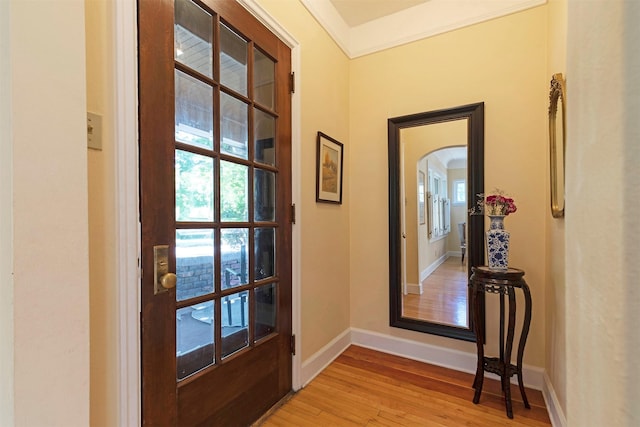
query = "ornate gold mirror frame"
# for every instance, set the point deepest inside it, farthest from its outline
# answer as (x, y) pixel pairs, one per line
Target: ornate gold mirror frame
(557, 138)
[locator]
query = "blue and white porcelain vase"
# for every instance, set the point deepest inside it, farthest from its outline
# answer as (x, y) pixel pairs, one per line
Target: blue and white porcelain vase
(497, 244)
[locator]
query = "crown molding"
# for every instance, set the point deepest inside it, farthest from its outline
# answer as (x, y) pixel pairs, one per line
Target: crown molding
(410, 24)
(329, 19)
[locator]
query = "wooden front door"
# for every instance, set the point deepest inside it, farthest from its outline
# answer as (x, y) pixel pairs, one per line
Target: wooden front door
(215, 197)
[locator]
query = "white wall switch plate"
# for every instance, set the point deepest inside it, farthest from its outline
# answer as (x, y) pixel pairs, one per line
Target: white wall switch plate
(94, 131)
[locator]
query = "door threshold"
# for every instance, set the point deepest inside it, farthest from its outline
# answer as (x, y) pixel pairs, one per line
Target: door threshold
(274, 408)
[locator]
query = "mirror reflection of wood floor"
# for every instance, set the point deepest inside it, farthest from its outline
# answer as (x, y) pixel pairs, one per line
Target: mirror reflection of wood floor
(364, 387)
(444, 296)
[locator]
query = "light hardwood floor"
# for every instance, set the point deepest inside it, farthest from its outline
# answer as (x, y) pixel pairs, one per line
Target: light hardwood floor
(444, 296)
(364, 387)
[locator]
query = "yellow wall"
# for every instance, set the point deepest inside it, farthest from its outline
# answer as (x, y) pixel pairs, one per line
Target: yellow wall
(501, 62)
(325, 228)
(102, 233)
(555, 300)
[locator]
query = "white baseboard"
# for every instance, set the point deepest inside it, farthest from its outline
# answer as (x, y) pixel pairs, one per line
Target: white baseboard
(556, 414)
(415, 289)
(323, 357)
(440, 356)
(431, 268)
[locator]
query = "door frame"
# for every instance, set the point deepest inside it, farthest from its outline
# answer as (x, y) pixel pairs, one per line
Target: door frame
(127, 224)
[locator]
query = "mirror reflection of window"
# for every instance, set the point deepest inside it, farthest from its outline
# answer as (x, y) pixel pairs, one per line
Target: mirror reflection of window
(459, 196)
(421, 199)
(438, 205)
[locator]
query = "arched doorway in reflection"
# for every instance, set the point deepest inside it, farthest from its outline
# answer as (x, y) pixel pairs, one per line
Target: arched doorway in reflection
(436, 270)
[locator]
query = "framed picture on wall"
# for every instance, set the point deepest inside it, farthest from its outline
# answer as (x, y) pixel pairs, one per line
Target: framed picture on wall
(328, 170)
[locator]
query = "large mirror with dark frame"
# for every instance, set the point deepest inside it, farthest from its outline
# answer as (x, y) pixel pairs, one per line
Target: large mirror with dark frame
(436, 171)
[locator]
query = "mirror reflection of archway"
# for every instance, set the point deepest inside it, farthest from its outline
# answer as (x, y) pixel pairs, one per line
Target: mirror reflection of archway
(434, 181)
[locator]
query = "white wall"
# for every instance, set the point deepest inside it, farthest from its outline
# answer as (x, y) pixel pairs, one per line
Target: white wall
(47, 141)
(6, 225)
(602, 205)
(555, 293)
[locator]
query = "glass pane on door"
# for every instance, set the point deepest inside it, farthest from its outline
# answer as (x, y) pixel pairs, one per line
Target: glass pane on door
(194, 339)
(234, 244)
(233, 60)
(264, 133)
(194, 111)
(263, 79)
(234, 126)
(266, 305)
(234, 189)
(235, 322)
(192, 37)
(265, 241)
(264, 195)
(194, 263)
(194, 187)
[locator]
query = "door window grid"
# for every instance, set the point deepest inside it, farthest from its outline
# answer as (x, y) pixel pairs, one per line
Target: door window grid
(192, 139)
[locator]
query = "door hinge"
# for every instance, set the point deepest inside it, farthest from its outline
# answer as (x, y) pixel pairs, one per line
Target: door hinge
(293, 213)
(293, 345)
(292, 82)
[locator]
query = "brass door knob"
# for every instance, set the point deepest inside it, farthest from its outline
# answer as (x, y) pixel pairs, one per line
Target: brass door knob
(168, 280)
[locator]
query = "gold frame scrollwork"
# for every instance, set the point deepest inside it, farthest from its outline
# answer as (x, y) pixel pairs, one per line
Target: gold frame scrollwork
(557, 143)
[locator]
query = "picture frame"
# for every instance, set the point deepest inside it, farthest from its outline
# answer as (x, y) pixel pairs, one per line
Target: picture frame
(329, 157)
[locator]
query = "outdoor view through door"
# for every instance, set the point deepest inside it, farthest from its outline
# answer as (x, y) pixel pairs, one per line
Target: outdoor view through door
(215, 192)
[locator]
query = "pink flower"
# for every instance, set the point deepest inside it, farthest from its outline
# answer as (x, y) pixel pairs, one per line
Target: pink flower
(495, 204)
